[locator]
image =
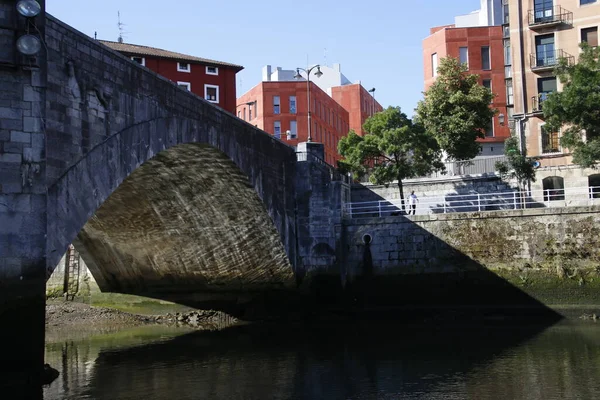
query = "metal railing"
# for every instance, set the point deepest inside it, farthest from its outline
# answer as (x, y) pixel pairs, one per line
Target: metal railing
(537, 101)
(476, 166)
(550, 16)
(479, 202)
(549, 59)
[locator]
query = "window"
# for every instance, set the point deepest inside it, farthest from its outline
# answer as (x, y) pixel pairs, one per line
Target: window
(185, 85)
(292, 104)
(590, 36)
(489, 129)
(211, 93)
(276, 105)
(277, 129)
(554, 188)
(505, 13)
(510, 98)
(547, 85)
(582, 2)
(139, 60)
(594, 186)
(464, 55)
(485, 57)
(293, 129)
(487, 83)
(183, 67)
(544, 50)
(212, 70)
(434, 64)
(507, 58)
(249, 112)
(244, 109)
(239, 114)
(543, 10)
(549, 141)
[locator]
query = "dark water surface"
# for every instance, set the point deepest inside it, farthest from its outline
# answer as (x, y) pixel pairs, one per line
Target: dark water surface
(331, 361)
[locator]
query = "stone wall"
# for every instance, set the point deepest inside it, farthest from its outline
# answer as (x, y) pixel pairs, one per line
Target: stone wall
(515, 257)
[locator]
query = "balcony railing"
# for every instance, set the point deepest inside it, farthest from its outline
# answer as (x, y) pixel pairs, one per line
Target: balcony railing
(549, 59)
(537, 101)
(550, 16)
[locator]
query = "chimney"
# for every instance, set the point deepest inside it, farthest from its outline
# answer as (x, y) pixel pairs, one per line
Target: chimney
(266, 73)
(337, 67)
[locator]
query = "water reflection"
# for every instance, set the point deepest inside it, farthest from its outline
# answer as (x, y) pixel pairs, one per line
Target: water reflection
(357, 361)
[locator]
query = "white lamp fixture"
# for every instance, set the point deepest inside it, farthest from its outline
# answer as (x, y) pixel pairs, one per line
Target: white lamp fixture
(29, 8)
(29, 45)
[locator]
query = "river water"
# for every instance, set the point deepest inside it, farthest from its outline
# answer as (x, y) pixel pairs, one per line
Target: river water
(330, 361)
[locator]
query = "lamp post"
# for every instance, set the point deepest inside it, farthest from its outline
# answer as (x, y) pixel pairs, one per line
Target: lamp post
(298, 76)
(372, 91)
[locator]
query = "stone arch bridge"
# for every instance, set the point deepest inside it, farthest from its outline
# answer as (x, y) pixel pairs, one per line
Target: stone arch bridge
(163, 193)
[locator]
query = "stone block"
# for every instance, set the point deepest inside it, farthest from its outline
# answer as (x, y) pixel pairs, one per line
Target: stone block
(11, 124)
(11, 147)
(10, 158)
(20, 137)
(33, 155)
(32, 124)
(12, 188)
(10, 113)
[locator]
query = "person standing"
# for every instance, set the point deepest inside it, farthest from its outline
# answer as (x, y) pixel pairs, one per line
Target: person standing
(412, 203)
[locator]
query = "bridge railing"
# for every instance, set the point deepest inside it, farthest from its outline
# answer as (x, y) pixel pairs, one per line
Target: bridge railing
(479, 202)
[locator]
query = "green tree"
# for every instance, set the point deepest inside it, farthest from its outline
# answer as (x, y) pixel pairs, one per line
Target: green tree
(518, 166)
(456, 110)
(578, 107)
(394, 149)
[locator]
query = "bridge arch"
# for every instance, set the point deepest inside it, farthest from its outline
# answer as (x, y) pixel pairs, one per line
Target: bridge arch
(234, 190)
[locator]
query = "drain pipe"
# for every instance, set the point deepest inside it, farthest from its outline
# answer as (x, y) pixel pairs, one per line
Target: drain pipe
(521, 121)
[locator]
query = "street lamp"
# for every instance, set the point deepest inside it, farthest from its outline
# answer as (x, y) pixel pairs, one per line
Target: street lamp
(298, 76)
(372, 91)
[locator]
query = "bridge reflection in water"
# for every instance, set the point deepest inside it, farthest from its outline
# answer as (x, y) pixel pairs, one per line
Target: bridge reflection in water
(370, 361)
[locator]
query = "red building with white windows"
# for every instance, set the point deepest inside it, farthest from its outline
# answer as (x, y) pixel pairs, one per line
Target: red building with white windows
(481, 48)
(209, 79)
(279, 104)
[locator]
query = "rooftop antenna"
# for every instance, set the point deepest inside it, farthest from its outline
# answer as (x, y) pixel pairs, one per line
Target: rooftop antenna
(325, 56)
(120, 25)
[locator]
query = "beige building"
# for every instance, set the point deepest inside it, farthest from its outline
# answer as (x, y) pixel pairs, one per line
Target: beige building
(536, 34)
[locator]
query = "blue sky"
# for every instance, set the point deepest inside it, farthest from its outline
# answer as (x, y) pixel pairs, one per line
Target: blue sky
(377, 42)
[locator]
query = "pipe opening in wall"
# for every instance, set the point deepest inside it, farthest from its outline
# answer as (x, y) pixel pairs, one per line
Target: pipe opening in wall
(367, 239)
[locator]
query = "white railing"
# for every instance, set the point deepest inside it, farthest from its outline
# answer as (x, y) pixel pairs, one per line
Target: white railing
(477, 202)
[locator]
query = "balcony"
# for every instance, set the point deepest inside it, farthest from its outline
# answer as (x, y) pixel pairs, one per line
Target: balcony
(539, 19)
(537, 101)
(548, 60)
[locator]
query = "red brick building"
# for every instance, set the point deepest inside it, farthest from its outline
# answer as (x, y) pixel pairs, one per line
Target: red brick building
(210, 79)
(279, 107)
(358, 102)
(279, 103)
(482, 49)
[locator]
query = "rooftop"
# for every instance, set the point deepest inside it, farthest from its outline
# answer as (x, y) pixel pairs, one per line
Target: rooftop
(135, 49)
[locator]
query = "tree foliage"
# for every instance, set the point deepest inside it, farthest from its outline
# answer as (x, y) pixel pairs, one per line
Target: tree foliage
(578, 107)
(456, 110)
(394, 149)
(518, 166)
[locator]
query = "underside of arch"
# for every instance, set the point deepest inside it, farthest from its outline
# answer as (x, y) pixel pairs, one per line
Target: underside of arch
(185, 222)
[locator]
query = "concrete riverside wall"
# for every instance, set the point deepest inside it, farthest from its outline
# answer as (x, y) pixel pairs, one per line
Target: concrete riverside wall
(551, 256)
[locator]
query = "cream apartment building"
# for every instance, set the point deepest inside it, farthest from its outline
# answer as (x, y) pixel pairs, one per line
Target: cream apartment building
(536, 34)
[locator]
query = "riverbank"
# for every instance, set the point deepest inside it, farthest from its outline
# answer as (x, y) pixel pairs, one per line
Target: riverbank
(69, 315)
